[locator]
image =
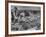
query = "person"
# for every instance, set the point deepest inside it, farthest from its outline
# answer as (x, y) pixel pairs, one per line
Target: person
(21, 17)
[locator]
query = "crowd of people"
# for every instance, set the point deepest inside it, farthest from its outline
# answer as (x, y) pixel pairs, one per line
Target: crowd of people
(24, 20)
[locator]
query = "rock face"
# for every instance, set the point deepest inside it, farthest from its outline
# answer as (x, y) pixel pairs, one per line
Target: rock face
(24, 19)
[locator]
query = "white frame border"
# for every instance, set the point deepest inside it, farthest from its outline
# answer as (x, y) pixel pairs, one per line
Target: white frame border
(23, 32)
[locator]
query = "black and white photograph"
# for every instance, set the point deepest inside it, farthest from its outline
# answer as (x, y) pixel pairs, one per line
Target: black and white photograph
(25, 18)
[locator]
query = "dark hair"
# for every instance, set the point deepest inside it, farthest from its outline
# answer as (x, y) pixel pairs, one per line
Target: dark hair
(26, 13)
